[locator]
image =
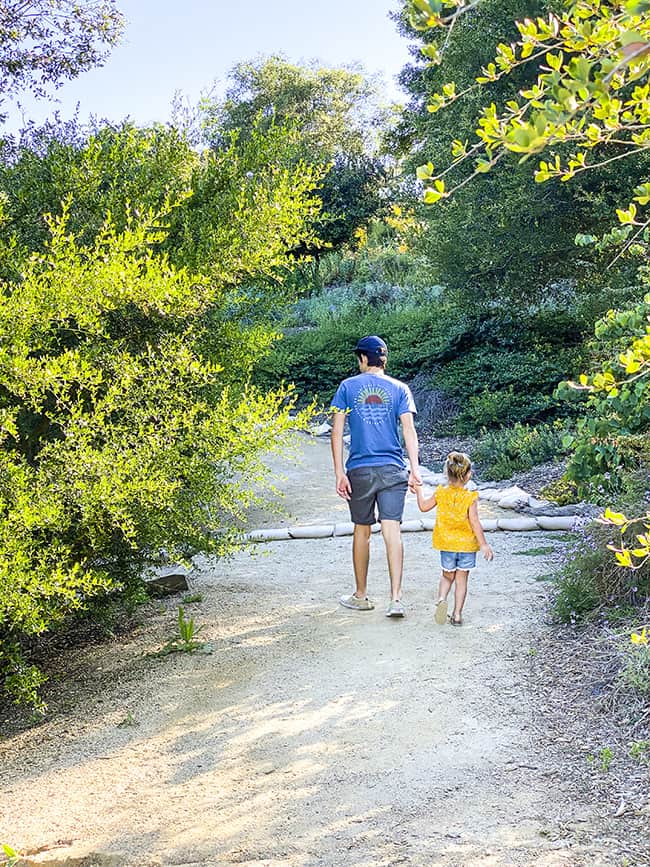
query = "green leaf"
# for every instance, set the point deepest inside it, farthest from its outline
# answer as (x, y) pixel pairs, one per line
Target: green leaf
(555, 61)
(432, 196)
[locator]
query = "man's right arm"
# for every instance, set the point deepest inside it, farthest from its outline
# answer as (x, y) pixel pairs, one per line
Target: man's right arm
(343, 488)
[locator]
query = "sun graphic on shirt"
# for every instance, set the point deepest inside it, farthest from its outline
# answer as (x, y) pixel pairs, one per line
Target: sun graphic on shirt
(370, 396)
(373, 404)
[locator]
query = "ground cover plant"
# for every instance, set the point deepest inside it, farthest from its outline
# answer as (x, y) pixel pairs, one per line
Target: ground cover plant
(501, 453)
(495, 372)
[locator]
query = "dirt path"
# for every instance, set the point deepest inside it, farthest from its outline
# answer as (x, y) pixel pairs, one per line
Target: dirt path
(311, 735)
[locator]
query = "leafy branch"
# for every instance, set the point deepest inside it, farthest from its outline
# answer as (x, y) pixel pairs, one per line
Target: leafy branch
(590, 90)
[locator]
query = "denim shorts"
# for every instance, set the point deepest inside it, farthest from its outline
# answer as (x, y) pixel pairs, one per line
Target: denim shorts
(382, 487)
(452, 560)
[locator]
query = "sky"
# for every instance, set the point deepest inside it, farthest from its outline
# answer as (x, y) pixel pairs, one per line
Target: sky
(189, 46)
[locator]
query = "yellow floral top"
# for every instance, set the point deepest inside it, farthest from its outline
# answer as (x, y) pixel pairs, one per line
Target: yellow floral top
(453, 531)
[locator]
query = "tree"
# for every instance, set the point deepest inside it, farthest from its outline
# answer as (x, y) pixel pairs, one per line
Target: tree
(43, 42)
(500, 235)
(223, 200)
(588, 93)
(102, 168)
(333, 110)
(332, 119)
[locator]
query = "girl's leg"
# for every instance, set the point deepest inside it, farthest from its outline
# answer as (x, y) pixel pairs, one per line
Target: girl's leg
(446, 580)
(460, 592)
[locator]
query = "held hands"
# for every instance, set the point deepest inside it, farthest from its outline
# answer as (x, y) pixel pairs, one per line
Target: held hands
(415, 481)
(487, 552)
(343, 486)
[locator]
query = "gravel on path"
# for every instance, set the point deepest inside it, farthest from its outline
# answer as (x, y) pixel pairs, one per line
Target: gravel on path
(307, 735)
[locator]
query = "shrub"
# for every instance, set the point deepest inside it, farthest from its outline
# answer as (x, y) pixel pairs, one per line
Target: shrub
(498, 370)
(119, 435)
(357, 300)
(635, 671)
(497, 388)
(315, 360)
(502, 407)
(612, 433)
(576, 592)
(589, 576)
(504, 452)
(562, 491)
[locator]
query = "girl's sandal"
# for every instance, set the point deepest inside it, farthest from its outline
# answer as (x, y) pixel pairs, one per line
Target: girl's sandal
(454, 622)
(441, 612)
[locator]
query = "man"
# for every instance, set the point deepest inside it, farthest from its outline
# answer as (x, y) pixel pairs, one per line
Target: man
(376, 476)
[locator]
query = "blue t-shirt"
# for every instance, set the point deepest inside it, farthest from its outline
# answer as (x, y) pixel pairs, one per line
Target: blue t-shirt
(373, 404)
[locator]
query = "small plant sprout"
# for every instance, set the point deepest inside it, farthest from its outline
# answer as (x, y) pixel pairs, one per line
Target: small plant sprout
(185, 641)
(605, 756)
(11, 855)
(189, 598)
(541, 551)
(640, 750)
(187, 630)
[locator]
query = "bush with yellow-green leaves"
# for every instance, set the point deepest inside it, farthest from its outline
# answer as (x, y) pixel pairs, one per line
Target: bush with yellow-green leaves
(121, 434)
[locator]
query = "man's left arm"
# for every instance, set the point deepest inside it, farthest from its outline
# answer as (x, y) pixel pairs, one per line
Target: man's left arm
(412, 447)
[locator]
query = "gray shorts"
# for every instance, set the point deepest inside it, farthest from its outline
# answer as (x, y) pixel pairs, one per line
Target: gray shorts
(384, 487)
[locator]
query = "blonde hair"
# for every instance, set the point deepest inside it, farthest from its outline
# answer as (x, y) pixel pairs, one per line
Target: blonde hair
(458, 466)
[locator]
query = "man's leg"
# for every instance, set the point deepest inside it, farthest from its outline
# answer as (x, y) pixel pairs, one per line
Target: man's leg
(361, 558)
(390, 530)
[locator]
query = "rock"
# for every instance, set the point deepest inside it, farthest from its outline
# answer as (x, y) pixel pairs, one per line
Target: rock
(583, 509)
(317, 531)
(555, 522)
(539, 507)
(411, 526)
(489, 525)
(168, 579)
(346, 528)
(376, 528)
(513, 497)
(428, 523)
(433, 479)
(517, 525)
(491, 494)
(471, 485)
(281, 534)
(321, 430)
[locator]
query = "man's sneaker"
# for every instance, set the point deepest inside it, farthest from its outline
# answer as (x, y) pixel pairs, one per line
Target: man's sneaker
(353, 601)
(396, 609)
(441, 612)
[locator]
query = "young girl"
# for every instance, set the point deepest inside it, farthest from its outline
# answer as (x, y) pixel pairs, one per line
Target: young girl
(457, 534)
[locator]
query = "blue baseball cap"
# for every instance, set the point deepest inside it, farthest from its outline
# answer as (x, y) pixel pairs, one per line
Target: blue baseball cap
(371, 345)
